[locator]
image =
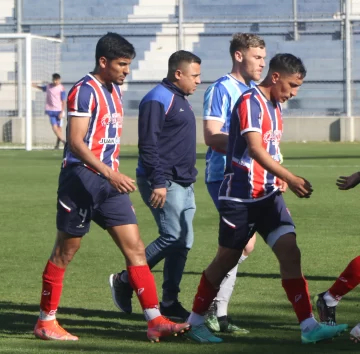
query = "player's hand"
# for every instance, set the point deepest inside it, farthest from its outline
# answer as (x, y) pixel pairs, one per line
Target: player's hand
(158, 197)
(61, 115)
(283, 186)
(122, 183)
(300, 187)
(345, 183)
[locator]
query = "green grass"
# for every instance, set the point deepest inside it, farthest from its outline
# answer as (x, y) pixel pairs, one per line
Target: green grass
(328, 234)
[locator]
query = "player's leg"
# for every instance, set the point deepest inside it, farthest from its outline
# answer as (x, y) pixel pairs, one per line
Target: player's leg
(56, 127)
(217, 317)
(327, 301)
(174, 241)
(142, 281)
(277, 228)
(233, 236)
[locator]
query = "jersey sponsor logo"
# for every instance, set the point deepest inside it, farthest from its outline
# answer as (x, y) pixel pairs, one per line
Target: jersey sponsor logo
(112, 141)
(116, 119)
(274, 136)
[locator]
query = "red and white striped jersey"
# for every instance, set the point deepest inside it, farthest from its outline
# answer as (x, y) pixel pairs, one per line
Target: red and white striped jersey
(245, 180)
(89, 98)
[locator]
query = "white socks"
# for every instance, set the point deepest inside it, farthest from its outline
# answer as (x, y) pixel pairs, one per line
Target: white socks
(308, 325)
(150, 314)
(46, 317)
(242, 259)
(195, 319)
(330, 300)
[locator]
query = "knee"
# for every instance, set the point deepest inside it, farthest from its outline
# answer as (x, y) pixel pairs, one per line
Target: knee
(290, 254)
(62, 257)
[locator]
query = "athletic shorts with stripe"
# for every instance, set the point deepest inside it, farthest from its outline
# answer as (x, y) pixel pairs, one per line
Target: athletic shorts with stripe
(238, 221)
(84, 195)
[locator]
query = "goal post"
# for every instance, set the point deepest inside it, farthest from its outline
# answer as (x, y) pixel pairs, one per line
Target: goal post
(26, 59)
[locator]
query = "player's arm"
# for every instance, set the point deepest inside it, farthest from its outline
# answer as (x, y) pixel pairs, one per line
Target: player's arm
(151, 122)
(298, 185)
(344, 183)
(39, 87)
(215, 113)
(77, 129)
(213, 135)
(63, 104)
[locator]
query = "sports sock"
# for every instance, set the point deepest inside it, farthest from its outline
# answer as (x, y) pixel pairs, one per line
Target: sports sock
(224, 294)
(330, 300)
(195, 319)
(308, 324)
(347, 280)
(51, 290)
(242, 259)
(151, 314)
(167, 303)
(298, 294)
(204, 296)
(142, 281)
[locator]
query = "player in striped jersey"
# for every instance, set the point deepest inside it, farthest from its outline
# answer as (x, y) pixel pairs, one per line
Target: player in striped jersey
(251, 199)
(248, 57)
(92, 188)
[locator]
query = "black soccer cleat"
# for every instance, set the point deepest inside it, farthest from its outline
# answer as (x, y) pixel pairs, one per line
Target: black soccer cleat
(174, 311)
(121, 293)
(326, 313)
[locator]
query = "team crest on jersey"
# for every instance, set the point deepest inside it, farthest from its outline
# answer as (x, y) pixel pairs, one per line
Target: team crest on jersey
(274, 136)
(116, 119)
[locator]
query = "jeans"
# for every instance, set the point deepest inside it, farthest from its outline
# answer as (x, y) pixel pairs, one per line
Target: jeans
(176, 234)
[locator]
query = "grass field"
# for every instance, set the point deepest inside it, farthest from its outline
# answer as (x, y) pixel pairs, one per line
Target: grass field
(328, 234)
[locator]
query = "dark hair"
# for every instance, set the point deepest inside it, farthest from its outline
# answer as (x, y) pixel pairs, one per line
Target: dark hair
(56, 76)
(244, 41)
(179, 57)
(113, 46)
(287, 64)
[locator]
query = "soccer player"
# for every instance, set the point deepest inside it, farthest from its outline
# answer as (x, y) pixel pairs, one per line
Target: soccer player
(92, 188)
(165, 176)
(327, 301)
(248, 53)
(250, 199)
(55, 105)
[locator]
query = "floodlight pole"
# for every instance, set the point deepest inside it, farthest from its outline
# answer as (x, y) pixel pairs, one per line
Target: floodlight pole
(180, 43)
(296, 33)
(20, 70)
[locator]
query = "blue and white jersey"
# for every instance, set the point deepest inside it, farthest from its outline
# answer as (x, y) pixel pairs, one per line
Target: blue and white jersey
(219, 100)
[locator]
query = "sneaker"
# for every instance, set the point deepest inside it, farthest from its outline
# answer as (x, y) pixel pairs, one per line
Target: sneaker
(322, 332)
(326, 313)
(355, 333)
(175, 311)
(228, 327)
(52, 330)
(121, 292)
(201, 334)
(162, 327)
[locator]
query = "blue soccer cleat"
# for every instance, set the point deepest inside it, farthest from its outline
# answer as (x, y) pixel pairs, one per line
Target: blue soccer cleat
(202, 334)
(322, 332)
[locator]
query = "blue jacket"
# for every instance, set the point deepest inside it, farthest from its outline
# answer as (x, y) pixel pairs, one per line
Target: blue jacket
(167, 137)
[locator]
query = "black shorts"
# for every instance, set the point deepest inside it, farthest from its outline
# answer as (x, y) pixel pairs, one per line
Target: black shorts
(84, 195)
(239, 221)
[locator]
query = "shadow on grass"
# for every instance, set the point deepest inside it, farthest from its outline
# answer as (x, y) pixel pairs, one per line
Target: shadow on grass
(19, 319)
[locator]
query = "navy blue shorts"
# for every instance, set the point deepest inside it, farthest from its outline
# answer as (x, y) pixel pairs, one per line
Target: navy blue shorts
(238, 221)
(83, 195)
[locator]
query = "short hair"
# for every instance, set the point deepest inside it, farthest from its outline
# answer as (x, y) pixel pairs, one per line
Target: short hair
(56, 76)
(179, 57)
(244, 41)
(286, 63)
(113, 46)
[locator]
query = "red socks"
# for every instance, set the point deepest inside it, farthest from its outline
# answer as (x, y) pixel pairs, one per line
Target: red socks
(347, 280)
(298, 294)
(51, 288)
(142, 281)
(204, 296)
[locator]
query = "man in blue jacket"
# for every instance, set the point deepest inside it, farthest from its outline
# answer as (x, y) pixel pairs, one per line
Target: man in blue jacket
(165, 176)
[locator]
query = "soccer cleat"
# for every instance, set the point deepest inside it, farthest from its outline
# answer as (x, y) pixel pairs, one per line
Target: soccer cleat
(322, 332)
(162, 327)
(51, 330)
(326, 313)
(355, 333)
(227, 327)
(121, 293)
(201, 334)
(175, 311)
(211, 322)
